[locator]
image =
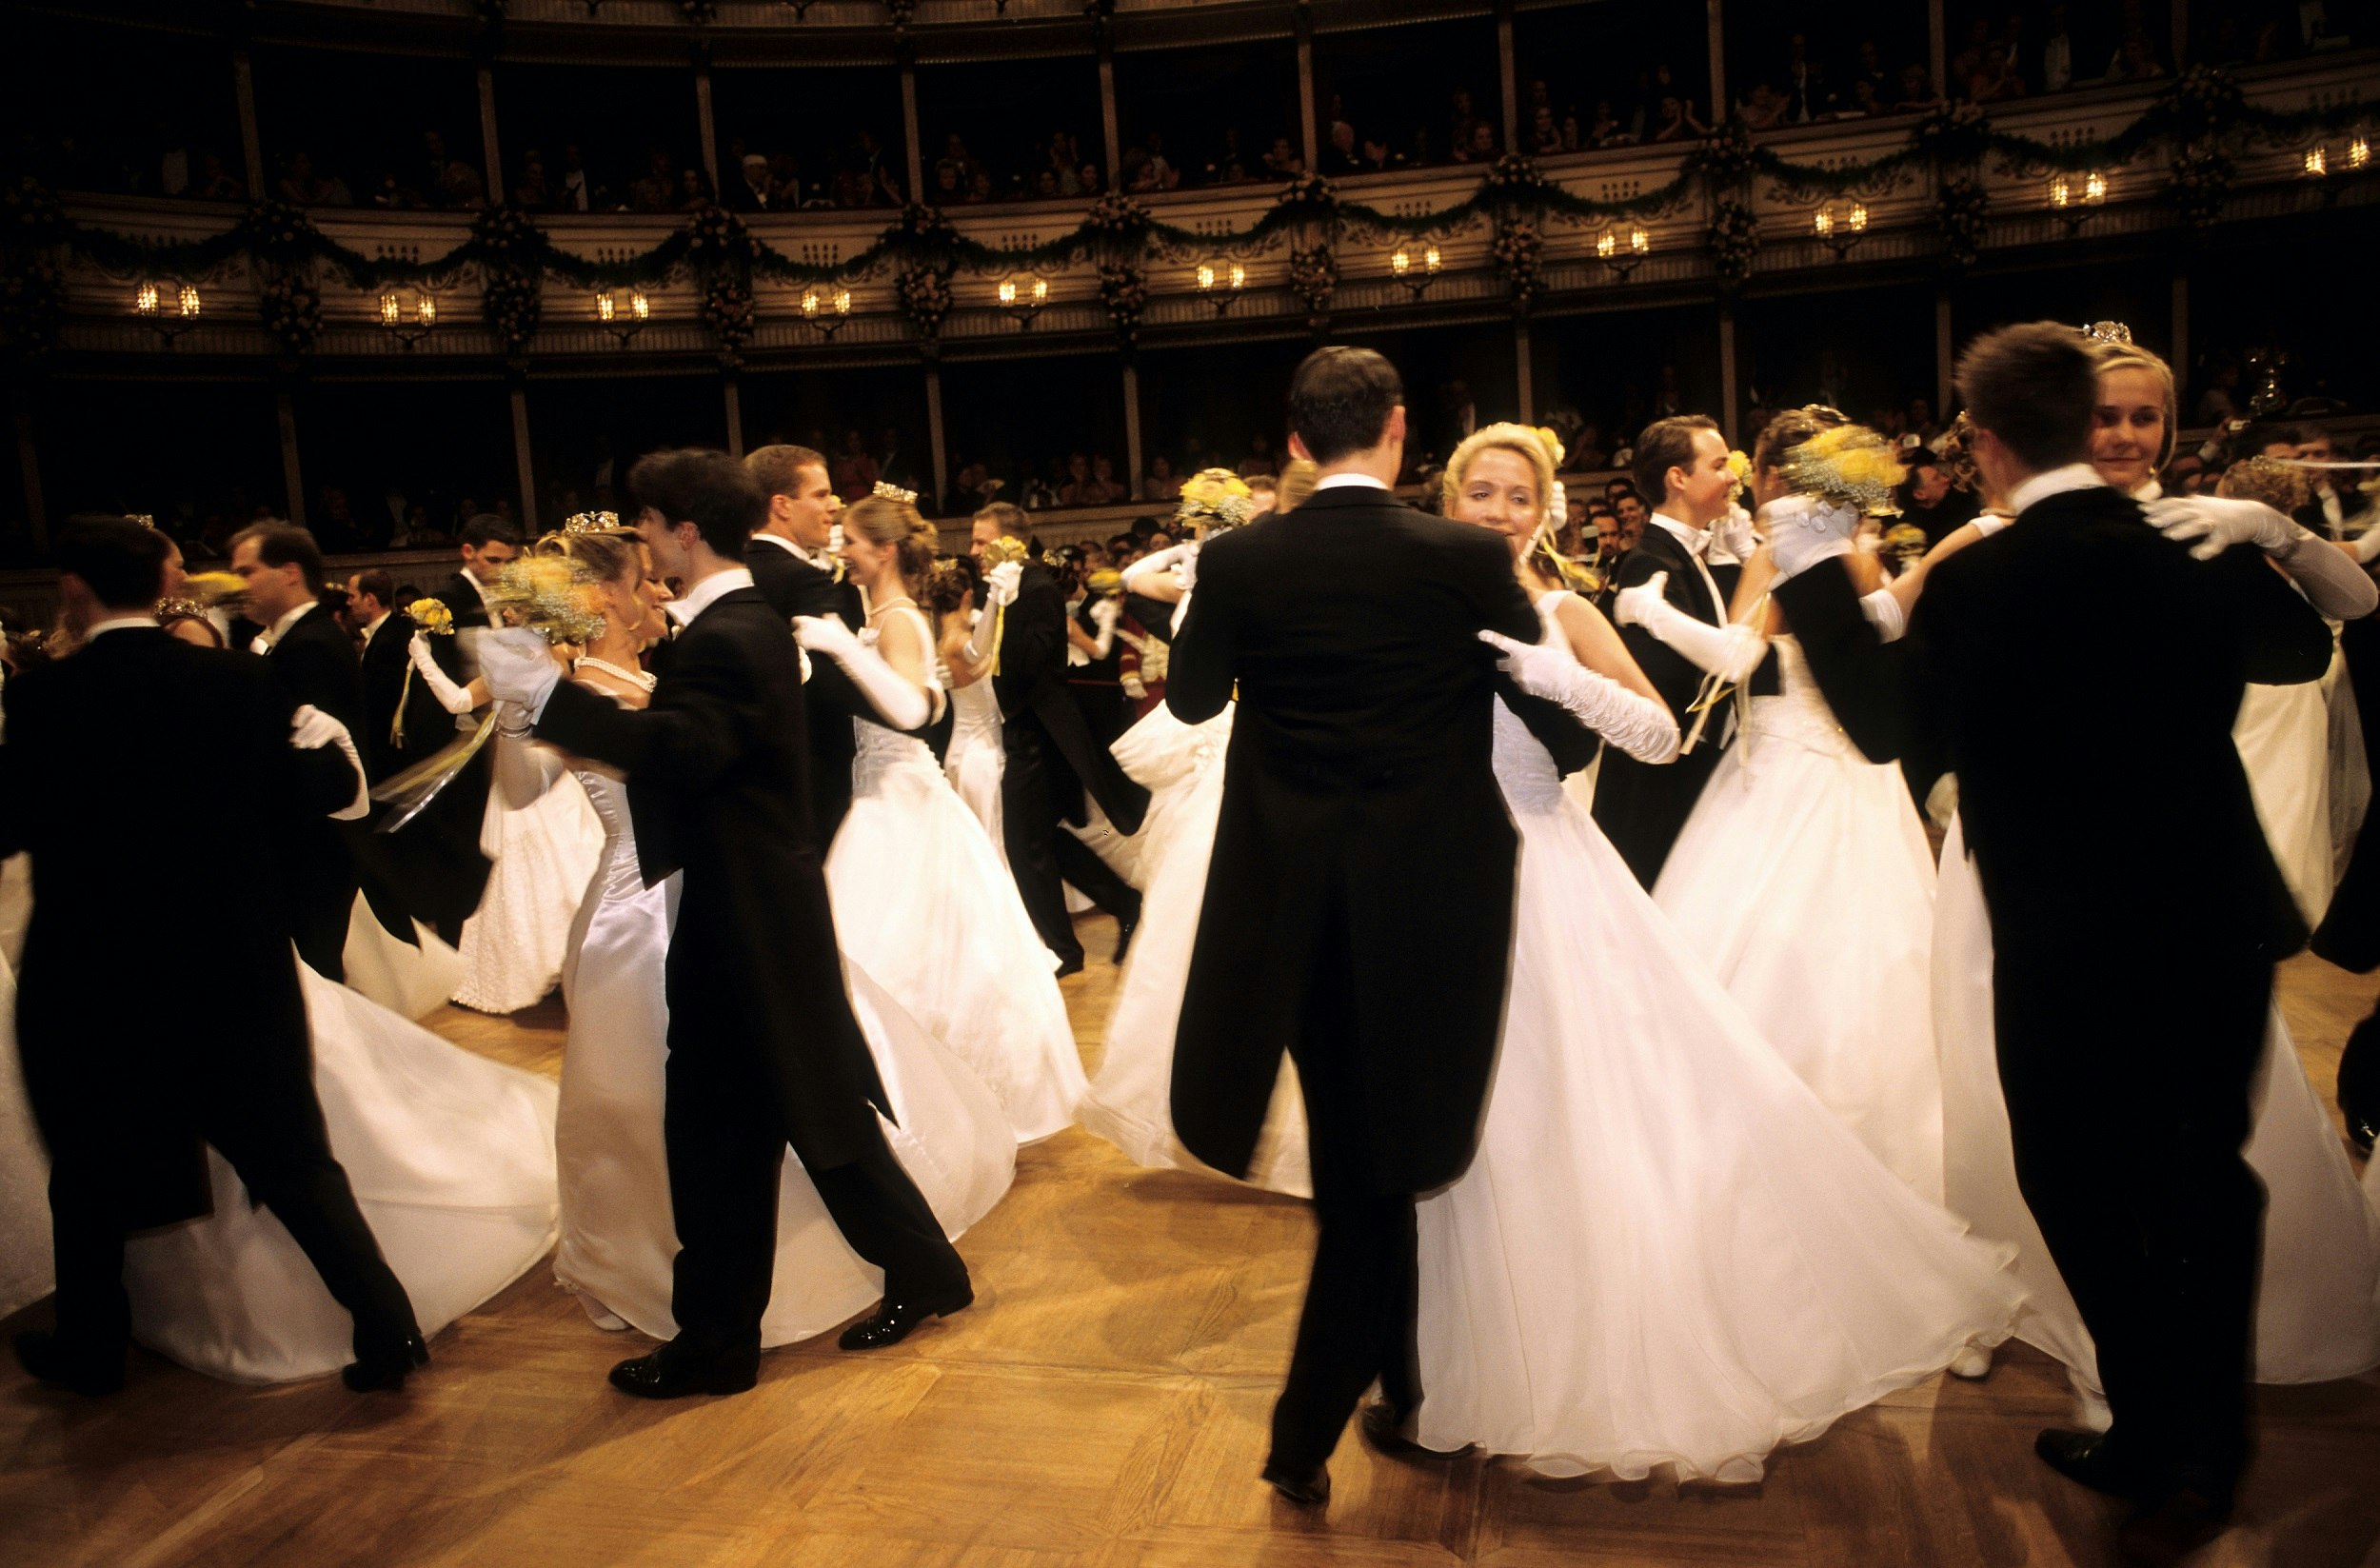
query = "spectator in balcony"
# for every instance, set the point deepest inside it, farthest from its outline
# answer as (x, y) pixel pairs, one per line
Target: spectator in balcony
(751, 189)
(694, 190)
(1997, 80)
(979, 188)
(1868, 66)
(1678, 122)
(532, 193)
(575, 192)
(215, 183)
(449, 181)
(1282, 162)
(1087, 181)
(1161, 483)
(1260, 459)
(892, 463)
(2136, 61)
(1606, 128)
(1341, 158)
(2057, 54)
(303, 187)
(949, 185)
(955, 151)
(1545, 132)
(1378, 158)
(1917, 95)
(1805, 82)
(1764, 108)
(1480, 148)
(1078, 490)
(1168, 177)
(1460, 125)
(855, 473)
(1060, 163)
(656, 189)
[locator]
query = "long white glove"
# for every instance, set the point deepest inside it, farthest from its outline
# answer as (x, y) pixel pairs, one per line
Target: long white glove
(1734, 533)
(1156, 564)
(1884, 612)
(1730, 652)
(1638, 725)
(454, 699)
(1000, 584)
(981, 645)
(310, 729)
(902, 703)
(1104, 613)
(518, 666)
(2333, 585)
(1803, 532)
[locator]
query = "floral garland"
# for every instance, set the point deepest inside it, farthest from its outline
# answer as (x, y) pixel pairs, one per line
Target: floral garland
(1124, 289)
(1959, 210)
(32, 310)
(728, 309)
(1314, 278)
(1308, 191)
(2198, 184)
(510, 305)
(30, 212)
(280, 233)
(903, 14)
(1735, 240)
(1519, 254)
(1953, 135)
(924, 295)
(505, 234)
(716, 237)
(292, 311)
(1117, 217)
(2201, 102)
(1514, 172)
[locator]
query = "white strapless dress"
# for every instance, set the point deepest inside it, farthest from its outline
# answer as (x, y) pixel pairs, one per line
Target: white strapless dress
(2282, 734)
(925, 907)
(618, 1239)
(1804, 880)
(2318, 1286)
(451, 1158)
(543, 840)
(976, 759)
(1668, 1252)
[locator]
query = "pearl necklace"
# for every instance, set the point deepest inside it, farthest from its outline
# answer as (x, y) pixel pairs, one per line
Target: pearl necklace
(634, 677)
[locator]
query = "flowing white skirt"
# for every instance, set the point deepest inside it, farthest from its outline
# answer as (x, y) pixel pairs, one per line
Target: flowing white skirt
(2318, 1287)
(545, 852)
(451, 1158)
(26, 1269)
(412, 980)
(975, 764)
(1668, 1251)
(2282, 734)
(1804, 880)
(1130, 1102)
(618, 1239)
(923, 905)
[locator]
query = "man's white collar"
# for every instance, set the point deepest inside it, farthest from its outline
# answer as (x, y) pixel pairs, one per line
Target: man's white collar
(708, 592)
(2074, 476)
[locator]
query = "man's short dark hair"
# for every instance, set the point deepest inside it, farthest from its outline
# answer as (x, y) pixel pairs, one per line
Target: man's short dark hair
(122, 564)
(1339, 401)
(705, 487)
(778, 469)
(1666, 444)
(379, 586)
(285, 544)
(2035, 388)
(485, 528)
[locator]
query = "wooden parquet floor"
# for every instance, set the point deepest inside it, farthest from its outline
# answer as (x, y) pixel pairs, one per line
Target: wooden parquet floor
(1104, 1404)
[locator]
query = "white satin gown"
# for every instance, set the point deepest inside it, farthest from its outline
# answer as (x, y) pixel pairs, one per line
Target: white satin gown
(543, 841)
(2318, 1286)
(976, 759)
(1804, 880)
(923, 904)
(2283, 735)
(618, 1239)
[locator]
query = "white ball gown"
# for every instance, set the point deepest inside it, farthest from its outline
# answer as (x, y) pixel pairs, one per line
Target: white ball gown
(1805, 881)
(451, 1156)
(925, 907)
(2318, 1286)
(977, 758)
(617, 1236)
(2283, 735)
(1667, 1253)
(27, 1267)
(412, 980)
(544, 840)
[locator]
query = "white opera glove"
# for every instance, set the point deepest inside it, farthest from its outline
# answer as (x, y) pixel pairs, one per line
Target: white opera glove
(310, 729)
(1734, 533)
(1804, 531)
(1104, 614)
(900, 703)
(1149, 567)
(1730, 652)
(1187, 568)
(1133, 689)
(2213, 524)
(454, 698)
(980, 640)
(1638, 725)
(1884, 612)
(518, 666)
(1000, 584)
(2366, 545)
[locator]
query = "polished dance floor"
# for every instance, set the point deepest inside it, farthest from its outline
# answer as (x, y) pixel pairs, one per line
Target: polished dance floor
(1102, 1404)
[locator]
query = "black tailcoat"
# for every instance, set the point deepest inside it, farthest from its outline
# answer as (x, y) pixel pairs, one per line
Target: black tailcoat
(315, 661)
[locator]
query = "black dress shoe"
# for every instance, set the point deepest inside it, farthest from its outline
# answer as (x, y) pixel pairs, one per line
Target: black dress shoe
(1306, 1488)
(1069, 966)
(662, 1376)
(385, 1369)
(2361, 1131)
(1126, 927)
(895, 1321)
(1388, 1430)
(2091, 1459)
(40, 1353)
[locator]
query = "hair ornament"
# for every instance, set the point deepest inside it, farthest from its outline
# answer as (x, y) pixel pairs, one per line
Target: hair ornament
(591, 522)
(894, 492)
(2108, 331)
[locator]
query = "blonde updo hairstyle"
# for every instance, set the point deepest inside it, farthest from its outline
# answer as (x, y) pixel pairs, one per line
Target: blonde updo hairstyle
(611, 554)
(895, 526)
(2110, 356)
(1297, 482)
(1504, 436)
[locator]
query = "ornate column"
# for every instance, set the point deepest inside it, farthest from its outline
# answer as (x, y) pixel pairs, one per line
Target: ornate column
(496, 186)
(28, 465)
(1132, 429)
(1944, 353)
(252, 144)
(735, 413)
(1718, 63)
(910, 121)
(526, 467)
(1731, 416)
(1110, 123)
(1527, 368)
(706, 123)
(1308, 139)
(937, 447)
(1508, 74)
(1938, 46)
(2178, 350)
(292, 478)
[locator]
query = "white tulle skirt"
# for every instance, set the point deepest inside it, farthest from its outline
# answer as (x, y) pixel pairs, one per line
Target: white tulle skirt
(2318, 1287)
(925, 907)
(1668, 1253)
(1130, 1101)
(544, 853)
(452, 1160)
(1804, 880)
(2282, 734)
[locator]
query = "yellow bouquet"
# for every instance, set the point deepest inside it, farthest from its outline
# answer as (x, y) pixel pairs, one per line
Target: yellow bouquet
(211, 588)
(432, 616)
(1849, 465)
(1739, 465)
(1216, 497)
(551, 595)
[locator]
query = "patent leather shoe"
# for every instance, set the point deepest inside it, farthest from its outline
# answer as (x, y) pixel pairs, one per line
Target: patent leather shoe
(1069, 966)
(386, 1370)
(895, 1321)
(662, 1376)
(2361, 1130)
(2089, 1459)
(1306, 1488)
(1391, 1432)
(41, 1354)
(1126, 927)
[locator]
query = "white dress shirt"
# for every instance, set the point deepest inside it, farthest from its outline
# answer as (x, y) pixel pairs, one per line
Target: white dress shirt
(1347, 481)
(707, 593)
(2074, 476)
(379, 620)
(270, 636)
(826, 560)
(118, 623)
(1698, 542)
